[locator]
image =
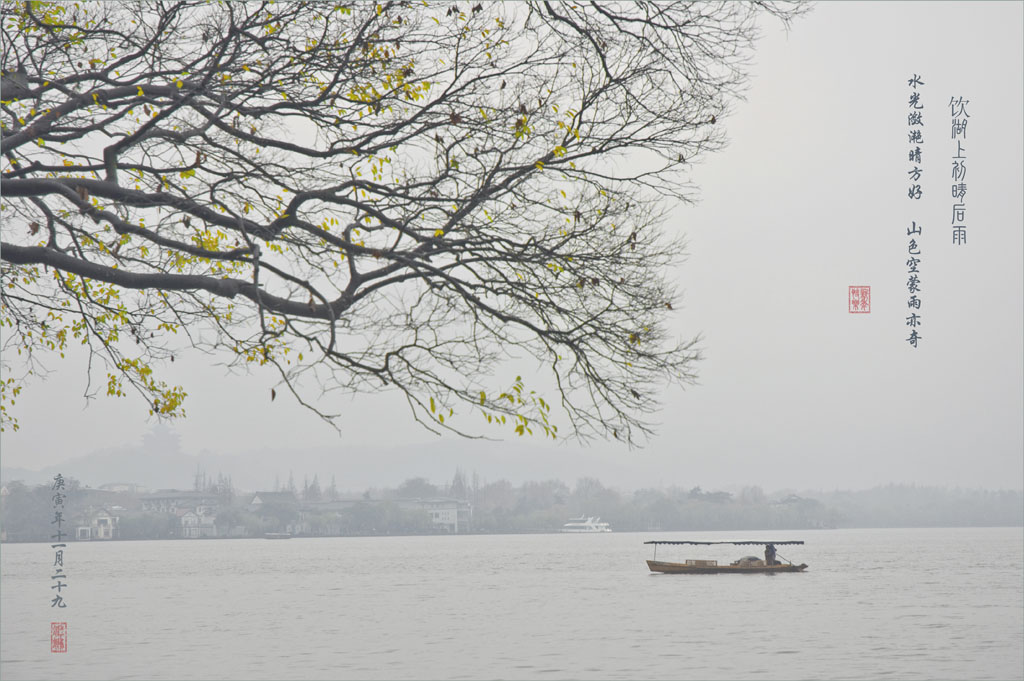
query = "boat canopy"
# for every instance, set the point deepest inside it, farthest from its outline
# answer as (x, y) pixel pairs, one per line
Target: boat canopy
(705, 543)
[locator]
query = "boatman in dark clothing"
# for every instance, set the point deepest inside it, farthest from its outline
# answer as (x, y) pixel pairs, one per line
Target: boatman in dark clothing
(769, 554)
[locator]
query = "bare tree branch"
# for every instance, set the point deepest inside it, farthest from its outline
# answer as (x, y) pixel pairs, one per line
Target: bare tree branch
(364, 197)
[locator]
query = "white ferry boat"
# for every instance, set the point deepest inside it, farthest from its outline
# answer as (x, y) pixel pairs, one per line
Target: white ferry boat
(582, 524)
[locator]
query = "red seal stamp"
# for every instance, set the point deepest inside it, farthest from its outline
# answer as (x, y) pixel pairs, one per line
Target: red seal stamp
(58, 637)
(860, 299)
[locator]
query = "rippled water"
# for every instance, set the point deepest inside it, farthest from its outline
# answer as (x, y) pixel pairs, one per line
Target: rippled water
(874, 604)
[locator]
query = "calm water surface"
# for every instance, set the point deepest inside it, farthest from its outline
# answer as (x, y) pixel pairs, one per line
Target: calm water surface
(874, 604)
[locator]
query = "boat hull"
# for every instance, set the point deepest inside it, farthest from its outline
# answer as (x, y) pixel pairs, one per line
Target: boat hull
(585, 531)
(684, 569)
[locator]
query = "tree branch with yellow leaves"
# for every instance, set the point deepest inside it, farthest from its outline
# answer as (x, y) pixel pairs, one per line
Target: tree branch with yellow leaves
(363, 196)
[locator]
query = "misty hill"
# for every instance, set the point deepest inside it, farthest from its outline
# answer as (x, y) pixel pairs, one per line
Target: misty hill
(913, 506)
(159, 462)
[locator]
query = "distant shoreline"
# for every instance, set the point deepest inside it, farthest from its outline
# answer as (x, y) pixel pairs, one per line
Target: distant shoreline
(518, 533)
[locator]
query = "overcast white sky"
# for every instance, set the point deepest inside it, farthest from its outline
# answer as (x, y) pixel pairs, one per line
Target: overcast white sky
(809, 198)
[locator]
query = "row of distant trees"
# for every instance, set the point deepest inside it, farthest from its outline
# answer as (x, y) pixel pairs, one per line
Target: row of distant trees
(311, 491)
(538, 506)
(29, 512)
(500, 506)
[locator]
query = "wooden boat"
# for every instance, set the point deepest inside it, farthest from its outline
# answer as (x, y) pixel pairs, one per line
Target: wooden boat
(746, 565)
(689, 568)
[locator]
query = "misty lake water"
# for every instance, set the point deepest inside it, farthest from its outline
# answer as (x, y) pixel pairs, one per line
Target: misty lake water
(874, 604)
